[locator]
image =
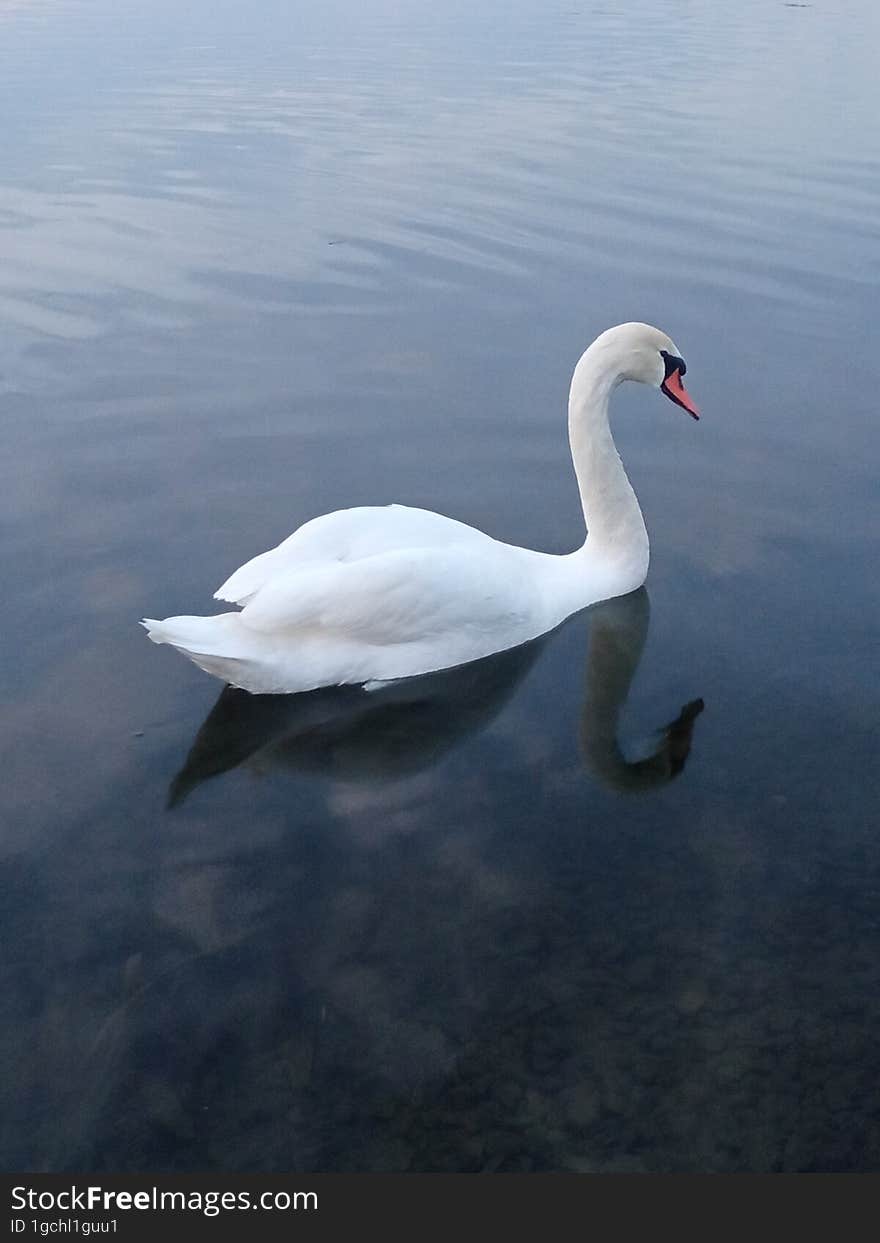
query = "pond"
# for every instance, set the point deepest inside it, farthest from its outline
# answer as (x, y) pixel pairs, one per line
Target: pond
(610, 902)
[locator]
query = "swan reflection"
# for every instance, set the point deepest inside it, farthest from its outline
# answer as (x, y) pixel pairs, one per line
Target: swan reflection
(349, 733)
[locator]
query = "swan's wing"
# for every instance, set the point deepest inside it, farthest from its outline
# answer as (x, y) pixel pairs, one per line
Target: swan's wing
(344, 536)
(412, 595)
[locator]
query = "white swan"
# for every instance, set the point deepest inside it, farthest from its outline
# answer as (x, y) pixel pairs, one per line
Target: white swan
(375, 593)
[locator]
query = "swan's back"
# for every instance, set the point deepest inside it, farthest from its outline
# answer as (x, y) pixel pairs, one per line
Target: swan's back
(345, 536)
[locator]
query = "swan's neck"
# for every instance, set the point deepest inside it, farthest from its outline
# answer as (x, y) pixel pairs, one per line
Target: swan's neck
(616, 535)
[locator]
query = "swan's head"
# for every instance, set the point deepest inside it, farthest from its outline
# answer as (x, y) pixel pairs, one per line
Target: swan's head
(645, 354)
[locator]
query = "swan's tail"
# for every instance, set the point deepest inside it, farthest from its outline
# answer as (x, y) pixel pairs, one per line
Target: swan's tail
(221, 645)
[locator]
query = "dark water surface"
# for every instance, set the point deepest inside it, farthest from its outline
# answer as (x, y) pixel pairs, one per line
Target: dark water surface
(259, 261)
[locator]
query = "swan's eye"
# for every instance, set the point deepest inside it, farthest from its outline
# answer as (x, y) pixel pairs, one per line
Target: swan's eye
(673, 363)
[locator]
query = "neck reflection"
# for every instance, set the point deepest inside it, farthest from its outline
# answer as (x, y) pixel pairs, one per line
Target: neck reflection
(618, 633)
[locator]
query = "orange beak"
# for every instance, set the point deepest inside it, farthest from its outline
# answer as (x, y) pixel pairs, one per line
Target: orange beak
(676, 391)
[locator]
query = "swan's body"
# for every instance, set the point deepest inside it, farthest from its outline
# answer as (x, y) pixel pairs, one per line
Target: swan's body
(376, 593)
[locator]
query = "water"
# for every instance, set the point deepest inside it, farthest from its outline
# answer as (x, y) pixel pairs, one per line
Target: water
(260, 262)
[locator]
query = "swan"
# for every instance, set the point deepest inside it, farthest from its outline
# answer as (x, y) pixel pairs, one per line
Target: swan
(372, 594)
